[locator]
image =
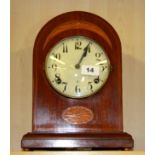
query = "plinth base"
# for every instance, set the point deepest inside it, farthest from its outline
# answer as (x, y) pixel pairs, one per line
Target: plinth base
(109, 141)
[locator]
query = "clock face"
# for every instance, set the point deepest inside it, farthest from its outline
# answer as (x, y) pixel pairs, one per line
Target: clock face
(77, 67)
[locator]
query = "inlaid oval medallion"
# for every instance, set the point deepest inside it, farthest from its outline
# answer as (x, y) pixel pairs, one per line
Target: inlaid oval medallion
(77, 115)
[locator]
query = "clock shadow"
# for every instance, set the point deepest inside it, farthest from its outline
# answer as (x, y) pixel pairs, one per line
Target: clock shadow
(133, 72)
(21, 93)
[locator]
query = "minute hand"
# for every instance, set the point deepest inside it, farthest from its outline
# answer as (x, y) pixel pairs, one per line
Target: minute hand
(85, 50)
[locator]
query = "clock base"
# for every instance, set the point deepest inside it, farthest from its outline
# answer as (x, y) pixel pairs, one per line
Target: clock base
(35, 140)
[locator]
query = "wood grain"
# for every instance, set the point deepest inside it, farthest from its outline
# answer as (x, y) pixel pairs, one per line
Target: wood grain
(77, 140)
(48, 104)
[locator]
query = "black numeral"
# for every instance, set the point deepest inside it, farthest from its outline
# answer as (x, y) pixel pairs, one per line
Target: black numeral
(78, 45)
(54, 66)
(65, 48)
(103, 67)
(90, 86)
(77, 89)
(58, 79)
(96, 80)
(65, 86)
(98, 55)
(57, 56)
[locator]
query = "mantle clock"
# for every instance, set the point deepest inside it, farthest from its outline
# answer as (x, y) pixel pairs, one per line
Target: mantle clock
(77, 86)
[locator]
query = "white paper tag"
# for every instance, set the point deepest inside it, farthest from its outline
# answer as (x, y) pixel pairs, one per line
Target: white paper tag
(90, 70)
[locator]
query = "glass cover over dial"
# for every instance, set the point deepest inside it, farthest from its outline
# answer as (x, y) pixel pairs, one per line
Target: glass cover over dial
(77, 67)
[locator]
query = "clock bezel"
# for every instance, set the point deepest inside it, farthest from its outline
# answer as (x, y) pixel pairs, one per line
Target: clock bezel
(71, 96)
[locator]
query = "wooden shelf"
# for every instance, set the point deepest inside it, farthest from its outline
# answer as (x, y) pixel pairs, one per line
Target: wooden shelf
(78, 153)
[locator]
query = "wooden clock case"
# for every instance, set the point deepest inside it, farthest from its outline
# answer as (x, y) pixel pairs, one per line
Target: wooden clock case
(49, 129)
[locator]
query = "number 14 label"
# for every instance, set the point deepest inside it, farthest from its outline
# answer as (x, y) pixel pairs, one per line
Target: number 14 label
(90, 70)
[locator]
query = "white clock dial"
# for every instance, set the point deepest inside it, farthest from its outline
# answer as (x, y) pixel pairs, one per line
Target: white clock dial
(77, 67)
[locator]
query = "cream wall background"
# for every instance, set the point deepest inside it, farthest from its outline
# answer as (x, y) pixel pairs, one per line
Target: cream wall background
(28, 16)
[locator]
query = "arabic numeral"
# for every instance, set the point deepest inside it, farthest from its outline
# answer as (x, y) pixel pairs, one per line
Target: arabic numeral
(78, 45)
(58, 79)
(65, 48)
(77, 89)
(90, 86)
(96, 80)
(57, 56)
(104, 67)
(98, 56)
(65, 86)
(54, 66)
(90, 69)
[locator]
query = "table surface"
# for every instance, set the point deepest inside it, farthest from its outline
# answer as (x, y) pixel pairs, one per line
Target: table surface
(78, 153)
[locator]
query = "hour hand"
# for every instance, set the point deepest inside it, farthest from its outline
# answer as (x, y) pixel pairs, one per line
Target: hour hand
(85, 50)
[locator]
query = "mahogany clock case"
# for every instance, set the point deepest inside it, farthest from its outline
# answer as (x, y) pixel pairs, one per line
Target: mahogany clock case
(49, 129)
